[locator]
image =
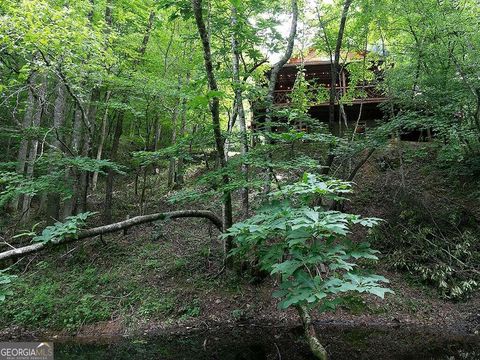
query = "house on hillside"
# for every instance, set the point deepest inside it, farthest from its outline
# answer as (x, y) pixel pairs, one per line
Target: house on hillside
(317, 71)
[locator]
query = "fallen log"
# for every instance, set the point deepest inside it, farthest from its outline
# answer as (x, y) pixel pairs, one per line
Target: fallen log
(106, 229)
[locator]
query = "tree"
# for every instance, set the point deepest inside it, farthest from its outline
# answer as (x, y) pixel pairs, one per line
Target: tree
(278, 66)
(238, 109)
(309, 249)
(215, 111)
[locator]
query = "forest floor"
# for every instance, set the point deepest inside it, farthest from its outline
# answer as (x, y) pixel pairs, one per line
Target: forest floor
(164, 278)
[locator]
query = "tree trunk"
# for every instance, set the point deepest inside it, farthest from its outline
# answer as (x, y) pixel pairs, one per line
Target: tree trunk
(279, 65)
(101, 142)
(103, 134)
(110, 175)
(27, 122)
(158, 132)
(215, 111)
(87, 148)
(239, 110)
(183, 124)
(156, 141)
(309, 330)
(53, 200)
(335, 65)
(71, 174)
(273, 82)
(144, 190)
(477, 112)
(32, 156)
(171, 166)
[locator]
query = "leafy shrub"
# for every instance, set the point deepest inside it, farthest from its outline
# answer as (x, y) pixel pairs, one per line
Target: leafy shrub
(5, 281)
(62, 230)
(308, 247)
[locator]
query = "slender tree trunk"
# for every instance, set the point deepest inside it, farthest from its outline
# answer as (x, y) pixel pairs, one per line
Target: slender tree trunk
(171, 166)
(364, 69)
(27, 121)
(148, 126)
(59, 113)
(108, 21)
(310, 334)
(158, 132)
(239, 110)
(53, 200)
(183, 125)
(477, 112)
(215, 111)
(110, 175)
(180, 163)
(156, 141)
(279, 65)
(146, 38)
(71, 174)
(232, 119)
(336, 63)
(32, 156)
(103, 135)
(87, 148)
(273, 83)
(144, 190)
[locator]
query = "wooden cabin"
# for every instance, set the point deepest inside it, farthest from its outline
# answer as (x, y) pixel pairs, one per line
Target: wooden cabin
(318, 71)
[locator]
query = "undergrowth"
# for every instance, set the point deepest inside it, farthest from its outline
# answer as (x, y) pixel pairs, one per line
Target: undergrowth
(436, 244)
(127, 278)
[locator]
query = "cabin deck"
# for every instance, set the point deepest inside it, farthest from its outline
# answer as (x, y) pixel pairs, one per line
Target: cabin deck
(372, 95)
(318, 73)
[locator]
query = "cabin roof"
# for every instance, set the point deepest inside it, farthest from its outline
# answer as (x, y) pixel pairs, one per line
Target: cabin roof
(315, 58)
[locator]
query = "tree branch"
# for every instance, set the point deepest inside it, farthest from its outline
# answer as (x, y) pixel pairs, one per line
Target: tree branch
(106, 229)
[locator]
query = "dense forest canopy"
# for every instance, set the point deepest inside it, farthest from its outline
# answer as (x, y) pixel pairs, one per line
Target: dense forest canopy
(102, 80)
(176, 101)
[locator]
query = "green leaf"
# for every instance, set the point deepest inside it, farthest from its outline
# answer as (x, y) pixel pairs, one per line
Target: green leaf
(62, 230)
(379, 291)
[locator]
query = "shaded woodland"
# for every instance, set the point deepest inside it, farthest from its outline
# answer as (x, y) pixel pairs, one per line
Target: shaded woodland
(326, 151)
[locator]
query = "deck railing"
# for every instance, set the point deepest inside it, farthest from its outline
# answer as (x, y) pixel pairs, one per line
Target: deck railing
(371, 95)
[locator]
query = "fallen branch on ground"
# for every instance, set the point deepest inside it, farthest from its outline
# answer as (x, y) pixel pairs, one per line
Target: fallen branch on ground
(106, 229)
